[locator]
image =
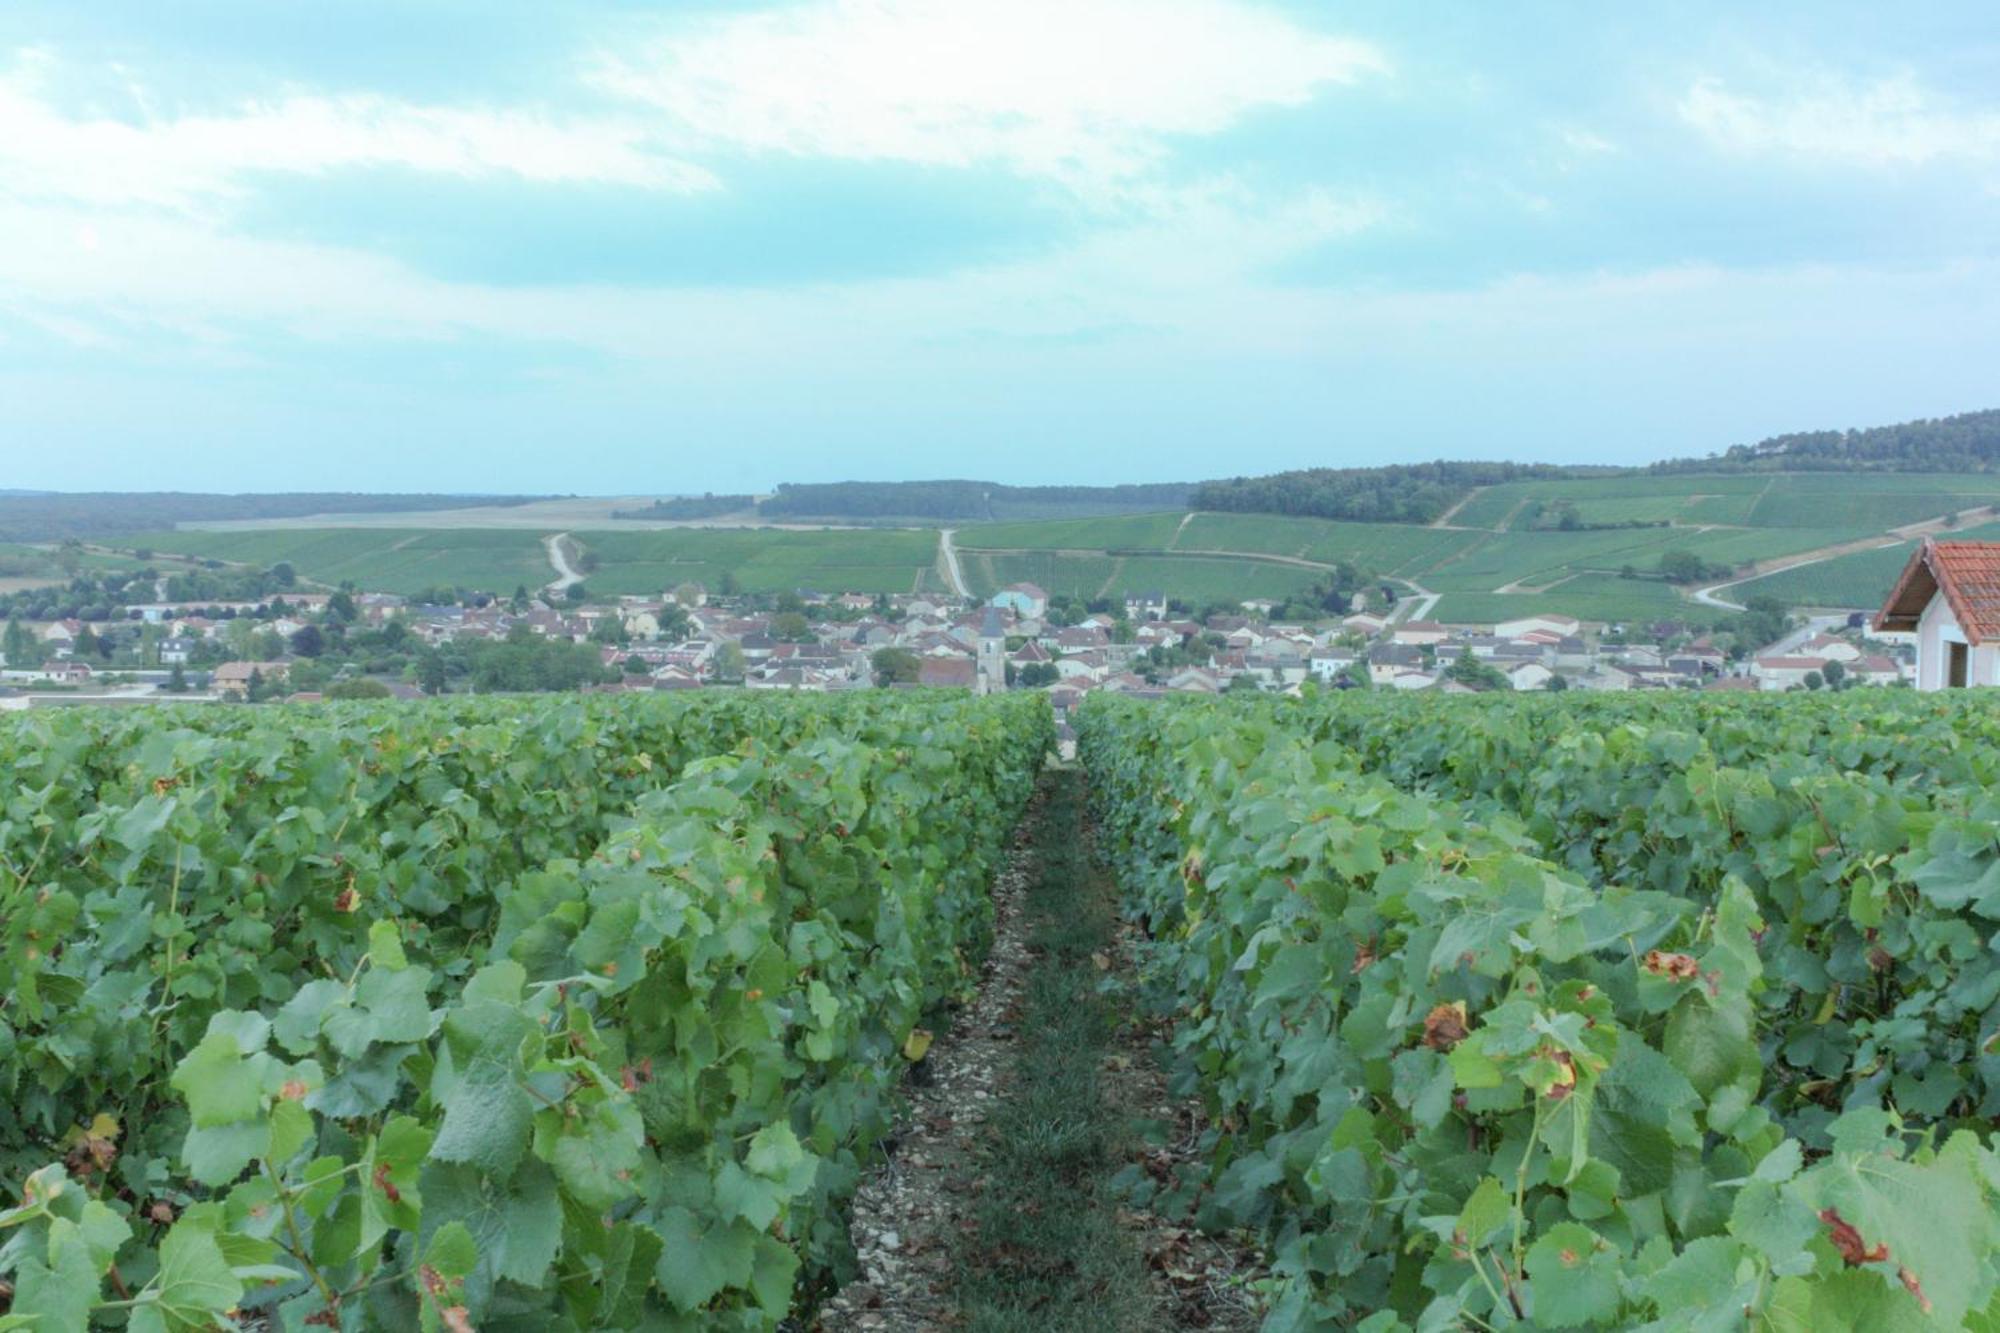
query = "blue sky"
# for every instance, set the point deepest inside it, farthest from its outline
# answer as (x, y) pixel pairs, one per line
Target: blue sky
(631, 248)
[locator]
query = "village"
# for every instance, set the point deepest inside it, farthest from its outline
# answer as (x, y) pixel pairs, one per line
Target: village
(1020, 637)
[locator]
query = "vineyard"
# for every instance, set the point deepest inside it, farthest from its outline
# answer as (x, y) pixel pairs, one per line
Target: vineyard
(499, 1014)
(597, 1012)
(1665, 1012)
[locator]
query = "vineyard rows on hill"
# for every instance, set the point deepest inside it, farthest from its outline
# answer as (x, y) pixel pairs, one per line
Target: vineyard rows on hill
(500, 1014)
(1675, 1014)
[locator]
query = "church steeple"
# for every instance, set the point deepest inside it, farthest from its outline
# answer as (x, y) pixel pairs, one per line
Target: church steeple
(992, 671)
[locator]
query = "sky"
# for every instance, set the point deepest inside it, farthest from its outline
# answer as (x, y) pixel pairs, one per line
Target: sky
(623, 248)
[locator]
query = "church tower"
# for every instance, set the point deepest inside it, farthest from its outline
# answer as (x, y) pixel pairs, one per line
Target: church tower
(992, 672)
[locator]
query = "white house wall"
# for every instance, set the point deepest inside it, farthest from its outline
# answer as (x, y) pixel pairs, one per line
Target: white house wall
(1937, 630)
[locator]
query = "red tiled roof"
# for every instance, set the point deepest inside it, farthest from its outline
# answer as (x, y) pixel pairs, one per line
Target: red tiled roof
(946, 671)
(1967, 573)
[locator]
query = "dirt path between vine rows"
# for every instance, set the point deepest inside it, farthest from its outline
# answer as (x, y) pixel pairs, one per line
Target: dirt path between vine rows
(996, 1209)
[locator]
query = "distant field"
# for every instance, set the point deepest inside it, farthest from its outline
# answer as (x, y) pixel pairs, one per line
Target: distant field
(1083, 576)
(763, 560)
(1877, 502)
(1386, 548)
(1196, 579)
(1587, 597)
(1697, 499)
(1149, 531)
(1537, 558)
(39, 564)
(1784, 500)
(1726, 520)
(1856, 582)
(636, 561)
(378, 559)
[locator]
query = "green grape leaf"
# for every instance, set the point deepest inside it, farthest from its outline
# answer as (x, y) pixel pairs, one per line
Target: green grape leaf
(773, 1271)
(59, 1291)
(1848, 1300)
(219, 1085)
(1713, 1045)
(385, 947)
(488, 1115)
(196, 1284)
(1643, 1110)
(1486, 1209)
(629, 1261)
(698, 1258)
(753, 1198)
(297, 1025)
(596, 1154)
(291, 1129)
(775, 1151)
(452, 1251)
(1698, 1290)
(1574, 1277)
(515, 1224)
(218, 1156)
(389, 1008)
(1933, 1219)
(1777, 1223)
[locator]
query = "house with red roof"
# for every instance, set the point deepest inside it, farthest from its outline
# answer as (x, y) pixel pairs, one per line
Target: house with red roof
(1949, 597)
(948, 672)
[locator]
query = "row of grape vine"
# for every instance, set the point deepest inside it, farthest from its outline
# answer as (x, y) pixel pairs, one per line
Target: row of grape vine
(1539, 1014)
(549, 1014)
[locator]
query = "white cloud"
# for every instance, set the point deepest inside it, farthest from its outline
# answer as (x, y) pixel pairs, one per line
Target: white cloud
(1890, 122)
(1189, 266)
(1084, 91)
(175, 161)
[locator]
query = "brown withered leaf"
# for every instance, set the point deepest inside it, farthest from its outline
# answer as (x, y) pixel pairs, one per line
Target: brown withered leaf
(1445, 1026)
(1915, 1287)
(1848, 1241)
(1674, 966)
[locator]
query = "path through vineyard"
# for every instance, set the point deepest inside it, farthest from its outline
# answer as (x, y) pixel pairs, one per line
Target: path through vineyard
(1004, 1204)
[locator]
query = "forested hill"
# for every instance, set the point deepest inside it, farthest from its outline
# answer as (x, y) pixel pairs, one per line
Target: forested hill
(55, 516)
(966, 501)
(1422, 492)
(1401, 493)
(1969, 442)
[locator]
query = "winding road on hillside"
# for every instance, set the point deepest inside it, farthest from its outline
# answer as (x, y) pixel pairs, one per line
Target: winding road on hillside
(566, 575)
(1708, 596)
(1929, 527)
(950, 554)
(1420, 609)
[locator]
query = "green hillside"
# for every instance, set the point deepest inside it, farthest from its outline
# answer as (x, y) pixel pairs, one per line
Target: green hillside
(890, 560)
(636, 562)
(398, 560)
(1591, 547)
(1873, 501)
(1856, 582)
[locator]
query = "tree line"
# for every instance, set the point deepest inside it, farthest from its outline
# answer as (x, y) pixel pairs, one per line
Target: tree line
(1969, 442)
(1399, 493)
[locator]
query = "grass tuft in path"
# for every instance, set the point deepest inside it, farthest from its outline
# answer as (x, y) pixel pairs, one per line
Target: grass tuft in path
(1050, 1253)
